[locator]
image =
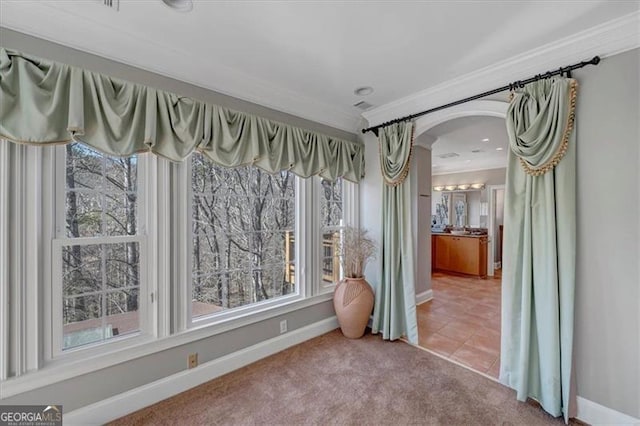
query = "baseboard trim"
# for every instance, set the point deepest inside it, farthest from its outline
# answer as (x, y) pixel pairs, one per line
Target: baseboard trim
(423, 297)
(135, 399)
(595, 414)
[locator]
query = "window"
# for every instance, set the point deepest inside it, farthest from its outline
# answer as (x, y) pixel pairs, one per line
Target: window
(332, 222)
(98, 251)
(243, 236)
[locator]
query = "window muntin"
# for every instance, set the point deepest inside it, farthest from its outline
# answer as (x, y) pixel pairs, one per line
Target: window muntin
(99, 250)
(332, 222)
(243, 236)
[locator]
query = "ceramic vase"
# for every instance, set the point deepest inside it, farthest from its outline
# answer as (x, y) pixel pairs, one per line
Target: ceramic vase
(353, 302)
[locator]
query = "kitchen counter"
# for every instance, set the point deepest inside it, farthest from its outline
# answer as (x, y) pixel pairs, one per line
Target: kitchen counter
(447, 234)
(463, 254)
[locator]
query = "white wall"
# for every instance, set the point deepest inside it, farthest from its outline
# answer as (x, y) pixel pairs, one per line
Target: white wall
(607, 340)
(371, 202)
(421, 165)
(473, 208)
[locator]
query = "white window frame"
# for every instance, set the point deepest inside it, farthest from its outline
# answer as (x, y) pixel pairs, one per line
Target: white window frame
(302, 188)
(146, 300)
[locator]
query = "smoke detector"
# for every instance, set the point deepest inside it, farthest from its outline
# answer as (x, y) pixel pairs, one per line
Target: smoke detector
(363, 91)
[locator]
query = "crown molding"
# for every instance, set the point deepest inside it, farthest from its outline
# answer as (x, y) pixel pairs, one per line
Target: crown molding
(228, 82)
(607, 39)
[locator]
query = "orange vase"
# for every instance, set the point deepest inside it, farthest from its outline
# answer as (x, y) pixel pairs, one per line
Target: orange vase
(353, 302)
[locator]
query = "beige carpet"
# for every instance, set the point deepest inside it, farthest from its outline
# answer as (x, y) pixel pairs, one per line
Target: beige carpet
(333, 380)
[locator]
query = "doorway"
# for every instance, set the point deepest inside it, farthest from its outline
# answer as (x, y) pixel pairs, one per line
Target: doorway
(462, 320)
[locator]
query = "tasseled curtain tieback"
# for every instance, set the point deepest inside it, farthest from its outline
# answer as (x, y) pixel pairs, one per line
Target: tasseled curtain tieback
(562, 149)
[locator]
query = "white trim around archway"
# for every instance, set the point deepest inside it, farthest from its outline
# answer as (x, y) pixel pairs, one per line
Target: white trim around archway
(473, 108)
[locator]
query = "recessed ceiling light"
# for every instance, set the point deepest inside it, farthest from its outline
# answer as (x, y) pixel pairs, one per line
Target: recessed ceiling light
(179, 5)
(485, 140)
(468, 161)
(499, 149)
(363, 91)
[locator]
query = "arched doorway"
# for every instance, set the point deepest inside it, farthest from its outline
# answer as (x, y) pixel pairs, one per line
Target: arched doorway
(450, 338)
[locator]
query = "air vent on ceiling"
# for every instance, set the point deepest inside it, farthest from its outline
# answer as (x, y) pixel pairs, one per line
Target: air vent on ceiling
(449, 155)
(477, 151)
(111, 4)
(363, 105)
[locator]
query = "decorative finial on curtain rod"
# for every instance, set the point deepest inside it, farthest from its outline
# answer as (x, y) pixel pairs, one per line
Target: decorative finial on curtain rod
(511, 86)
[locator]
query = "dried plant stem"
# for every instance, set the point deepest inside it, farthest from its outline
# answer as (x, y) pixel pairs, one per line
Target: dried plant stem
(356, 248)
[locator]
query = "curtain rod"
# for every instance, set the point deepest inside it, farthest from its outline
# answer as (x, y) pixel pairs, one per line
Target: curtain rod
(517, 84)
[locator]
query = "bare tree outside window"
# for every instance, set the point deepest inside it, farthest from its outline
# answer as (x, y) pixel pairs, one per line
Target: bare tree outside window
(332, 212)
(242, 222)
(101, 281)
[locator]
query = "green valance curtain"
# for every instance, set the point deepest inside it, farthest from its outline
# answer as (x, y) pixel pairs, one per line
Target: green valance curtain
(394, 311)
(538, 280)
(44, 102)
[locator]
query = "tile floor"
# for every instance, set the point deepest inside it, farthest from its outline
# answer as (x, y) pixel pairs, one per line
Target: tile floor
(462, 321)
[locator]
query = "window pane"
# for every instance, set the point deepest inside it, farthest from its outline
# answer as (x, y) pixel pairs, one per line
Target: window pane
(120, 214)
(122, 265)
(84, 213)
(92, 310)
(81, 269)
(122, 312)
(121, 174)
(243, 221)
(82, 321)
(101, 195)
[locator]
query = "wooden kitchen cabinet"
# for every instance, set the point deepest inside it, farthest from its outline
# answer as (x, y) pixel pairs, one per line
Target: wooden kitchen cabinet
(460, 254)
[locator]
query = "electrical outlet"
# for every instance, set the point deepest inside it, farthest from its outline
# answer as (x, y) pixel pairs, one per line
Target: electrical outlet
(283, 326)
(193, 360)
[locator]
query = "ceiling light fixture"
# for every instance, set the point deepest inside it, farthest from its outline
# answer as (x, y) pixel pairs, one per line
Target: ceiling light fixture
(363, 91)
(179, 5)
(461, 187)
(499, 149)
(485, 140)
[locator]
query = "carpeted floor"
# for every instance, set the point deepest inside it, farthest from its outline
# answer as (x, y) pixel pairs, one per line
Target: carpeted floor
(334, 380)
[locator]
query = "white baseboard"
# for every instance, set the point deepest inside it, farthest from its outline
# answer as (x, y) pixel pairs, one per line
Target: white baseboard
(595, 414)
(125, 403)
(425, 296)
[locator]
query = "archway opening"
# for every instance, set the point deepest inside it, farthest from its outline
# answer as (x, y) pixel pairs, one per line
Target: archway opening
(466, 160)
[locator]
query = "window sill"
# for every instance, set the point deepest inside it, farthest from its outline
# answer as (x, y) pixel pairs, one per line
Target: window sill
(63, 369)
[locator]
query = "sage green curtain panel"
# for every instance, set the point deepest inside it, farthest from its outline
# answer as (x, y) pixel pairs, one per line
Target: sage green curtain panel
(394, 311)
(44, 102)
(538, 281)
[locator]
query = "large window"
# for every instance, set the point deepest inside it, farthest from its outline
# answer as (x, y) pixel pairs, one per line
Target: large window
(243, 236)
(98, 248)
(114, 252)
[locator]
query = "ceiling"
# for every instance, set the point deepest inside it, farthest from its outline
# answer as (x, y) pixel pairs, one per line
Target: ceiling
(307, 57)
(464, 135)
